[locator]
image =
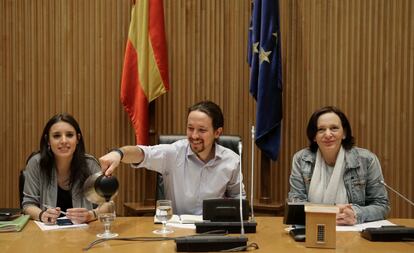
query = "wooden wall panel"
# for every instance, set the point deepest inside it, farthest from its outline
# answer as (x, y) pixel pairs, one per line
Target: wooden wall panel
(68, 56)
(358, 56)
(62, 56)
(334, 52)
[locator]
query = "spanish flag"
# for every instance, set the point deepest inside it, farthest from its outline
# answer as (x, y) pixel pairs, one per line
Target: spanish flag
(145, 72)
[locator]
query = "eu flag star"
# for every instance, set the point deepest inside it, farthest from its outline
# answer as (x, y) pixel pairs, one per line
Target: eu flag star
(255, 46)
(275, 34)
(264, 55)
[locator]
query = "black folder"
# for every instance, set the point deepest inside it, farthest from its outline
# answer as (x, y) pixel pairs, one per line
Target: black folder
(7, 214)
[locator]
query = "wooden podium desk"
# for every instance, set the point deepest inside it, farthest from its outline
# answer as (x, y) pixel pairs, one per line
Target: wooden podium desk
(271, 237)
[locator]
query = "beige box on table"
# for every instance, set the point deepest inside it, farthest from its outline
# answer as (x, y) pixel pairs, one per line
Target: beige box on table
(321, 226)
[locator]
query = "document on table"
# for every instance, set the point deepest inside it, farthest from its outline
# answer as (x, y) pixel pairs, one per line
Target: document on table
(46, 227)
(182, 221)
(180, 225)
(360, 227)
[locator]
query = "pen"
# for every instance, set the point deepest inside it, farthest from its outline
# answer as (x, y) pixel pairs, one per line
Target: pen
(47, 206)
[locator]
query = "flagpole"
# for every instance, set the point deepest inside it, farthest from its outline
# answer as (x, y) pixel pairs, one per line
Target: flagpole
(252, 177)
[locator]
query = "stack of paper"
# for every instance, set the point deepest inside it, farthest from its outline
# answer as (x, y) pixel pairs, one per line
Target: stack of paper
(46, 227)
(14, 225)
(182, 219)
(362, 226)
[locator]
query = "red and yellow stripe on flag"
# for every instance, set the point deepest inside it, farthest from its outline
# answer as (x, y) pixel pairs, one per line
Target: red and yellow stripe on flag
(145, 72)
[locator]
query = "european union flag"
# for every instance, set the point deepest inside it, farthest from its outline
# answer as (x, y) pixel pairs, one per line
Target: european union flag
(264, 58)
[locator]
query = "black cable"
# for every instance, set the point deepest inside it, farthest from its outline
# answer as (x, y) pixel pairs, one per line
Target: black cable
(251, 246)
(137, 238)
(147, 238)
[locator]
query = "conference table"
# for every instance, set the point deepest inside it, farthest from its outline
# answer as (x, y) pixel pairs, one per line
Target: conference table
(271, 236)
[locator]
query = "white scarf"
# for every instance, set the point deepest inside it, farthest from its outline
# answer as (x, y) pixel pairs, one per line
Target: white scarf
(325, 190)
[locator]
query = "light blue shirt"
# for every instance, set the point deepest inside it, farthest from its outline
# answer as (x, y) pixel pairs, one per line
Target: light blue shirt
(188, 180)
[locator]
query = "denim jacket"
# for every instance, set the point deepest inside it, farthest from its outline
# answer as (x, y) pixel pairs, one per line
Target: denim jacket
(362, 178)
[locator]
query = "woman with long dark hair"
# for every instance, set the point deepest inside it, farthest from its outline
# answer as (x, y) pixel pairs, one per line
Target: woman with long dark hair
(55, 176)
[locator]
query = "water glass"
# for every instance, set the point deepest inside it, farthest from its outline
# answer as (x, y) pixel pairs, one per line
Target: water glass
(106, 215)
(163, 213)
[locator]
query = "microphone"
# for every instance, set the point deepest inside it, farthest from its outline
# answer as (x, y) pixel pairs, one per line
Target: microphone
(390, 233)
(396, 192)
(252, 177)
(241, 191)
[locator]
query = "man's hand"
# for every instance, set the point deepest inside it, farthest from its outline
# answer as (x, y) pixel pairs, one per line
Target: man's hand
(346, 215)
(109, 162)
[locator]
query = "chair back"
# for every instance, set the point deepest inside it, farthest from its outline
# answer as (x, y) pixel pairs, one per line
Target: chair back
(22, 178)
(21, 187)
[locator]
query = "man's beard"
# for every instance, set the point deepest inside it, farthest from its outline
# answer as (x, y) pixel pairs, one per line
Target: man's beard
(200, 148)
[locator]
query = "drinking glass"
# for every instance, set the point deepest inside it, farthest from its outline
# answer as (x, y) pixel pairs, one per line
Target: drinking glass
(106, 215)
(163, 213)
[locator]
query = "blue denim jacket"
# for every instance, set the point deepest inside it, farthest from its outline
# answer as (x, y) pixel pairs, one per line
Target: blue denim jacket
(362, 178)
